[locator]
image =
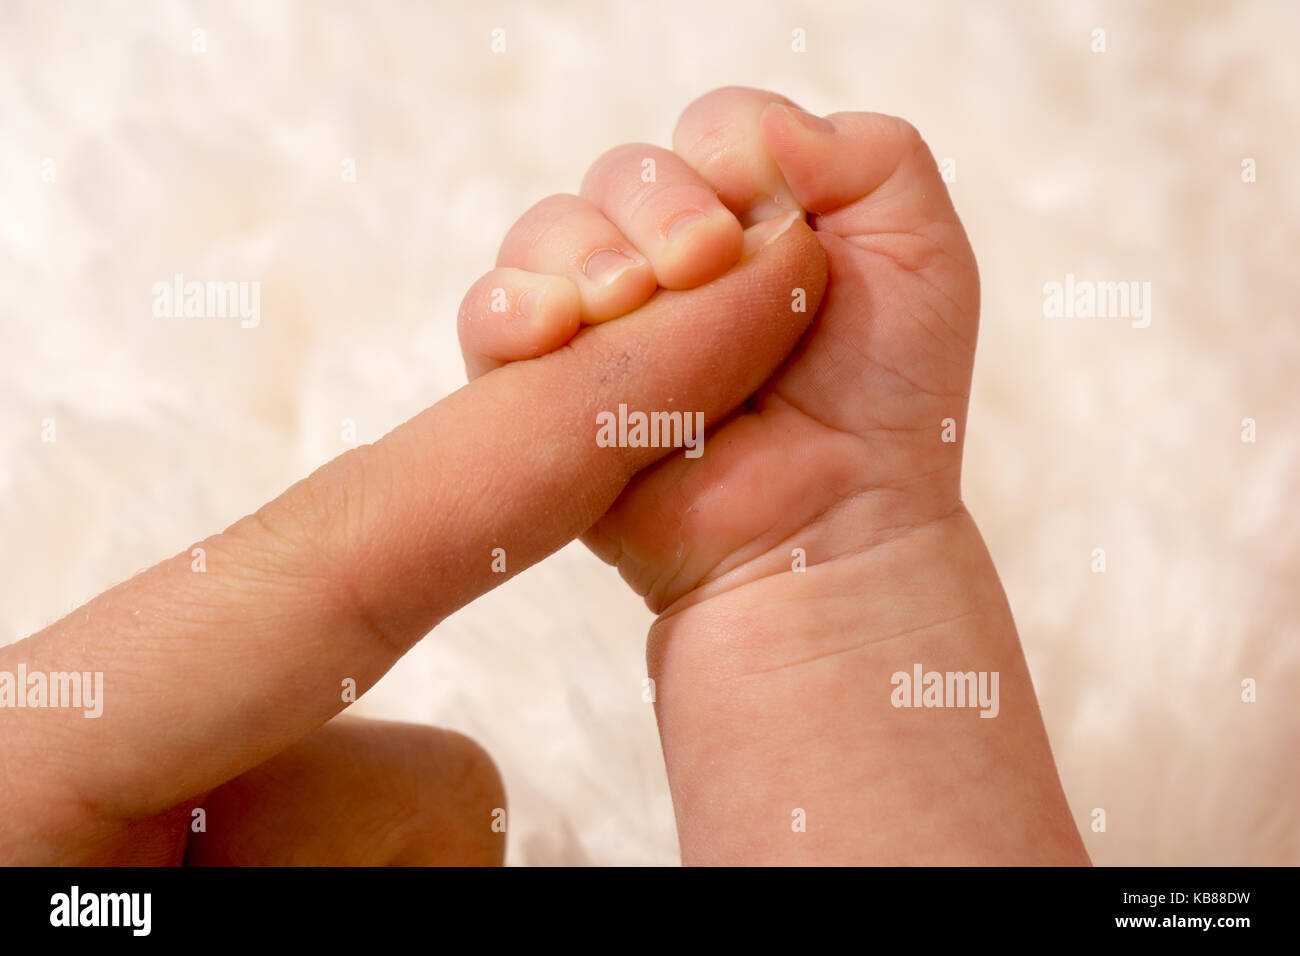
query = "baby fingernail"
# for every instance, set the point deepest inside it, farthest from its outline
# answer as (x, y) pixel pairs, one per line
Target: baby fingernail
(530, 303)
(683, 223)
(765, 233)
(807, 120)
(606, 265)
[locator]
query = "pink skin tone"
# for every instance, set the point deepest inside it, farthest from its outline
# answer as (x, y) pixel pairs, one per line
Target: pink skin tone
(775, 694)
(220, 687)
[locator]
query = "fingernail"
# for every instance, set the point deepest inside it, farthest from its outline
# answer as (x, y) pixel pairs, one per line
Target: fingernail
(766, 233)
(530, 303)
(777, 206)
(605, 265)
(684, 223)
(807, 120)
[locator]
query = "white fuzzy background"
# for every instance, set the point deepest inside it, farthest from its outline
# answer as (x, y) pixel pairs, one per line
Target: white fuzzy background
(225, 164)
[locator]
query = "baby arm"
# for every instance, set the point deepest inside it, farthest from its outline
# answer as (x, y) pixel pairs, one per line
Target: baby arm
(839, 678)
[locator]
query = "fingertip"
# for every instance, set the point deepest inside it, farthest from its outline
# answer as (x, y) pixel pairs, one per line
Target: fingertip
(554, 312)
(699, 250)
(615, 283)
(768, 232)
(511, 314)
(719, 136)
(796, 140)
(787, 116)
(832, 161)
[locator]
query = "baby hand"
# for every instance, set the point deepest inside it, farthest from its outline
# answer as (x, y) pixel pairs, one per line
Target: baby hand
(820, 547)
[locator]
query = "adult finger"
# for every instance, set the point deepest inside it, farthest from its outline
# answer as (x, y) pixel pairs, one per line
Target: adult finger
(215, 660)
